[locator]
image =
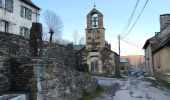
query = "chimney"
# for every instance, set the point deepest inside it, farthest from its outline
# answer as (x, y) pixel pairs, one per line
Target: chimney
(164, 20)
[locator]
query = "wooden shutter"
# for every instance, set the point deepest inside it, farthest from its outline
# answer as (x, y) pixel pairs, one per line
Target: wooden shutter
(22, 11)
(30, 14)
(1, 4)
(21, 31)
(10, 6)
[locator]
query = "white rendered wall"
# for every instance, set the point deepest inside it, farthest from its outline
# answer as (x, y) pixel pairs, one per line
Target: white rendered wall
(15, 20)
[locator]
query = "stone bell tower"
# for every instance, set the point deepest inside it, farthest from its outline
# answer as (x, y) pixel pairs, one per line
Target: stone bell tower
(95, 32)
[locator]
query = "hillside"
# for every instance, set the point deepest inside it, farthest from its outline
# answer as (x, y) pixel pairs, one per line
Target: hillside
(134, 60)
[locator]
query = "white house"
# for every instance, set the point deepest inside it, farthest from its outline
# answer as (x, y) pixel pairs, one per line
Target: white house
(16, 16)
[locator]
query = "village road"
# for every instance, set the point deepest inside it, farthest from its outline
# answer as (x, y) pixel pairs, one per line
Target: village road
(131, 88)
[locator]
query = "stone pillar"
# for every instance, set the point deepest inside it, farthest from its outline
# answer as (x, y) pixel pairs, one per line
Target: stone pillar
(35, 41)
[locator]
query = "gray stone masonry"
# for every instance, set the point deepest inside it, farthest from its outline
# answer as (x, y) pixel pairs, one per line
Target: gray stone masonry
(5, 73)
(50, 76)
(44, 80)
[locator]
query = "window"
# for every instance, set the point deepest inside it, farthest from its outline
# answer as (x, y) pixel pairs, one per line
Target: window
(1, 4)
(158, 65)
(7, 5)
(26, 13)
(24, 32)
(4, 26)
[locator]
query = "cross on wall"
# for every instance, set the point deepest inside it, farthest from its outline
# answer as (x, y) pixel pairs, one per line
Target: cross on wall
(37, 14)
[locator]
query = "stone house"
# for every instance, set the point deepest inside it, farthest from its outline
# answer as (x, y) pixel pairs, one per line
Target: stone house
(124, 66)
(148, 56)
(161, 55)
(96, 57)
(16, 16)
(157, 48)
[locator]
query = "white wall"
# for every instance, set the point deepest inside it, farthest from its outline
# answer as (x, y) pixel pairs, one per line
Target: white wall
(148, 60)
(15, 20)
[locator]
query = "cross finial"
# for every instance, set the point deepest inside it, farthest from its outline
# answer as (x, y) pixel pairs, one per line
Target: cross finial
(94, 5)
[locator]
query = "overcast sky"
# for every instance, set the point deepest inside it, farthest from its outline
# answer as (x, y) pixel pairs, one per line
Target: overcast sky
(116, 14)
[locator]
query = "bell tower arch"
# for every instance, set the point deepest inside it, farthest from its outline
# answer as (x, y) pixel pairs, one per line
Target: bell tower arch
(95, 32)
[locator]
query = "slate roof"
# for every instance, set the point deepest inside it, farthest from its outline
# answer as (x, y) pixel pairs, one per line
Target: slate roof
(110, 50)
(162, 43)
(150, 40)
(78, 47)
(123, 60)
(94, 10)
(29, 2)
(156, 37)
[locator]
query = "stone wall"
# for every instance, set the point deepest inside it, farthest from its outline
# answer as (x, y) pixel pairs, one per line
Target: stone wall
(49, 76)
(15, 46)
(4, 74)
(10, 46)
(62, 53)
(61, 83)
(44, 80)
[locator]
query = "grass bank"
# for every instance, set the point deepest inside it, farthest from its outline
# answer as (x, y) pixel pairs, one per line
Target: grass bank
(94, 94)
(163, 82)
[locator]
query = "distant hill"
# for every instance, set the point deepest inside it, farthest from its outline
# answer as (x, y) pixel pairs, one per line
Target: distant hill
(134, 60)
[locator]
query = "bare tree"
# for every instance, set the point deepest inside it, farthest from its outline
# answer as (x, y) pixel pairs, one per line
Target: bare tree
(75, 37)
(82, 40)
(54, 24)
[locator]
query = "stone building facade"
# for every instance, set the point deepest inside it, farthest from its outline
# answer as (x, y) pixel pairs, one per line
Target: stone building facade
(96, 57)
(157, 49)
(16, 16)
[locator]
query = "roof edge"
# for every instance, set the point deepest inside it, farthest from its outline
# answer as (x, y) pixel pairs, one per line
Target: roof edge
(31, 4)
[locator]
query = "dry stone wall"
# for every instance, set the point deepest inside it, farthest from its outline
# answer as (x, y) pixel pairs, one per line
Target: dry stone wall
(11, 46)
(44, 80)
(56, 83)
(50, 76)
(62, 53)
(5, 74)
(15, 46)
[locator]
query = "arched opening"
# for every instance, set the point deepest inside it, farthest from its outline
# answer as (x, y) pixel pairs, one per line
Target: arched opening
(95, 21)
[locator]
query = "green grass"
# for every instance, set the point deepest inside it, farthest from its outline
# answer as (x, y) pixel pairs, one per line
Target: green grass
(94, 94)
(163, 82)
(109, 76)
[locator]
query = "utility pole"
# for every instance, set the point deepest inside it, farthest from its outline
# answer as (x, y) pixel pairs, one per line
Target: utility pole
(118, 67)
(119, 46)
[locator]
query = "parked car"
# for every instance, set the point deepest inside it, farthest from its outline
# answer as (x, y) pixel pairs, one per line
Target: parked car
(136, 73)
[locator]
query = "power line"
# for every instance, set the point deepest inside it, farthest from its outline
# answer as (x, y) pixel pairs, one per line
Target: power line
(133, 44)
(130, 19)
(132, 41)
(136, 19)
